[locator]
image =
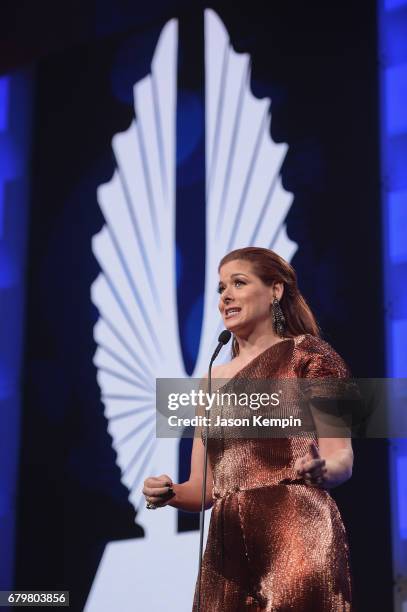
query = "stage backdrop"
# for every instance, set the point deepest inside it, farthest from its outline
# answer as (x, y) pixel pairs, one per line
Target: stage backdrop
(157, 150)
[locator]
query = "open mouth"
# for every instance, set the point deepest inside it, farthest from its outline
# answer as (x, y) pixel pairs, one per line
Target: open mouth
(232, 312)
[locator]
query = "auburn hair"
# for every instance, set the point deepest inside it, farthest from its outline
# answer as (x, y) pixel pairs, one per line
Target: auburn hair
(272, 268)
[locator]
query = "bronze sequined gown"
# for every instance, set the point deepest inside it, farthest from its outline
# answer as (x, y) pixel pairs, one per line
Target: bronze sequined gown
(274, 543)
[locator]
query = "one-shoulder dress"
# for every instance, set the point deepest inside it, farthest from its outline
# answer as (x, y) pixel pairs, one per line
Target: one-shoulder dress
(274, 544)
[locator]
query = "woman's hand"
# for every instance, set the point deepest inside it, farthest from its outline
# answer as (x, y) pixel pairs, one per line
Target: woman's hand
(312, 468)
(158, 490)
(333, 470)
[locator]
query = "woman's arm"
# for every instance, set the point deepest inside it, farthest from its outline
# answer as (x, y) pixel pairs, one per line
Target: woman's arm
(336, 452)
(188, 494)
(328, 375)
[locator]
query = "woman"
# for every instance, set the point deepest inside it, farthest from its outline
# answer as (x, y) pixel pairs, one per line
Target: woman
(276, 540)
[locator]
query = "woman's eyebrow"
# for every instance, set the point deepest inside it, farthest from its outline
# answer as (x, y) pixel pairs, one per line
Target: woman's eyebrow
(233, 276)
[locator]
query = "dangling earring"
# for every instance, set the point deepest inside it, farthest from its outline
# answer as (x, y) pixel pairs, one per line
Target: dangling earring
(278, 318)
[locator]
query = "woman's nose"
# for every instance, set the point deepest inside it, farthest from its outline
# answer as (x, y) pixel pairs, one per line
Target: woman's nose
(227, 295)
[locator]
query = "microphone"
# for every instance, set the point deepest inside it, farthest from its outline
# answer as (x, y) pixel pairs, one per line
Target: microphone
(223, 339)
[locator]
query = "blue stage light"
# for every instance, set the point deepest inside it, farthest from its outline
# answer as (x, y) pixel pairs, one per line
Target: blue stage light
(15, 115)
(396, 96)
(393, 53)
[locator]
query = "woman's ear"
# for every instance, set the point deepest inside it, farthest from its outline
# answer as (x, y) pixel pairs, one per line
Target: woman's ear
(278, 290)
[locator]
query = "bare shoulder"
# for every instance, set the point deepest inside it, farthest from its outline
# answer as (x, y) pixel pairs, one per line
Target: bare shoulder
(224, 370)
(216, 373)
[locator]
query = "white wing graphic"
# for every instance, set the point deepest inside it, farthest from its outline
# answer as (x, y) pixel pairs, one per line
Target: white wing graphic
(135, 293)
(246, 203)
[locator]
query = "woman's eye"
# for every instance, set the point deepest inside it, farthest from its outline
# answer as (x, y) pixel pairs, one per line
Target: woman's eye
(236, 283)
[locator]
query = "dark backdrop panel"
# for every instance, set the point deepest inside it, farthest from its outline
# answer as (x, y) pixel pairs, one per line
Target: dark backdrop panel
(318, 64)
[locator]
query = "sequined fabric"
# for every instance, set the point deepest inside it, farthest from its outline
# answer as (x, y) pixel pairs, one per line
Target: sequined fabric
(274, 544)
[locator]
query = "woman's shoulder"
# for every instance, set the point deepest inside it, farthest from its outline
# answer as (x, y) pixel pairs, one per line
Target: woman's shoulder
(307, 343)
(315, 357)
(223, 370)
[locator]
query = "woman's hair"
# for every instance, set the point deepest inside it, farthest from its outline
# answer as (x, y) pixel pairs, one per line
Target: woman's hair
(271, 268)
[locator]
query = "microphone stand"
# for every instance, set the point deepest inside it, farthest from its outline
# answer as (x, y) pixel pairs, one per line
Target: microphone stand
(222, 342)
(203, 495)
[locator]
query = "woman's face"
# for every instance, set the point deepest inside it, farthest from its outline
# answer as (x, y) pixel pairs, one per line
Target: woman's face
(244, 299)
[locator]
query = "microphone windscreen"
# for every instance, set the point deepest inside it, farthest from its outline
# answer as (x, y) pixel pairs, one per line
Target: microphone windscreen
(224, 336)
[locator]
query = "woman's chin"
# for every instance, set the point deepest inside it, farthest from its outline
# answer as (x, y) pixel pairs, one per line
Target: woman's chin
(231, 325)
